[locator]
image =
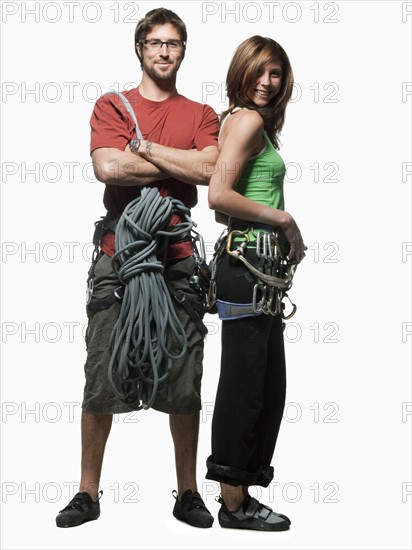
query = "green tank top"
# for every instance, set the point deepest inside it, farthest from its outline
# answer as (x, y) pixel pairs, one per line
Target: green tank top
(262, 177)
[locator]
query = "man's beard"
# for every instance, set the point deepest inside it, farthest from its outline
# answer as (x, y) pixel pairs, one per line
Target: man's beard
(160, 75)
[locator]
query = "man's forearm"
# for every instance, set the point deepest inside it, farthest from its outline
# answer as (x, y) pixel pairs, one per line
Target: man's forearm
(115, 167)
(192, 166)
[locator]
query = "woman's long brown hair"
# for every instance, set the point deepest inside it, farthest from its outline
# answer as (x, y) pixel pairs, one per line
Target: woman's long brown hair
(250, 57)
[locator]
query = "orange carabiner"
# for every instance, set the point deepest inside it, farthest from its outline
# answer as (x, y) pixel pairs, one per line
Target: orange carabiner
(236, 233)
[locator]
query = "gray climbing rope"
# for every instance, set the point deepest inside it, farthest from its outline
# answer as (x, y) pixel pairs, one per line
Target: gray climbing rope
(148, 327)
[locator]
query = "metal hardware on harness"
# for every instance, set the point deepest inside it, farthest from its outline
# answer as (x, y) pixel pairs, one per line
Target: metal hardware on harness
(200, 256)
(89, 290)
(200, 280)
(240, 250)
(97, 235)
(279, 282)
(257, 306)
(275, 273)
(294, 308)
(106, 223)
(270, 302)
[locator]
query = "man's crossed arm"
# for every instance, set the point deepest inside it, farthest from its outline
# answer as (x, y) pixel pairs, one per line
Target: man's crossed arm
(153, 163)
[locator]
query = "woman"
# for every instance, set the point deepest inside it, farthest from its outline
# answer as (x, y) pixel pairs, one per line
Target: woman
(247, 191)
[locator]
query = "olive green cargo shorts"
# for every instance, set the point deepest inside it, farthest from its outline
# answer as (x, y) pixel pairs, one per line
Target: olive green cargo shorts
(183, 393)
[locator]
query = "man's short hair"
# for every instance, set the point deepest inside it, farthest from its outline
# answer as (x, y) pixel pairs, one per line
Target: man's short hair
(153, 18)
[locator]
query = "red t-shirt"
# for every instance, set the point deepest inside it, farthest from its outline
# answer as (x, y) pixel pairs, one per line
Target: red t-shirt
(175, 122)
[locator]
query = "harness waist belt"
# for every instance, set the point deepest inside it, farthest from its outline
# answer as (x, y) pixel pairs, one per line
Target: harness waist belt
(244, 225)
(252, 228)
(109, 223)
(184, 237)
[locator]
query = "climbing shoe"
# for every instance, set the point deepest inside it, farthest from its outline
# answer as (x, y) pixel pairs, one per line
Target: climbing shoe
(192, 510)
(252, 515)
(79, 510)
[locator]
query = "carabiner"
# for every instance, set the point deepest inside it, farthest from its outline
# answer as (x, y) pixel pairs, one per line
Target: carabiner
(265, 301)
(240, 249)
(197, 238)
(89, 291)
(258, 244)
(294, 308)
(276, 246)
(274, 296)
(257, 306)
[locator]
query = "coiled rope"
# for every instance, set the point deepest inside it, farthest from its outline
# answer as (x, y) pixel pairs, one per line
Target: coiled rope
(147, 327)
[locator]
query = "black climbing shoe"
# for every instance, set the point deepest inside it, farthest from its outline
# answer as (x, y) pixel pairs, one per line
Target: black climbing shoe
(79, 510)
(252, 515)
(192, 510)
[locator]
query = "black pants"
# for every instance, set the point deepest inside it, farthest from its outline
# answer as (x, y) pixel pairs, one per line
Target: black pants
(251, 392)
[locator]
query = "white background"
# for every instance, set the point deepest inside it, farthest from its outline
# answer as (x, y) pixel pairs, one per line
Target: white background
(342, 464)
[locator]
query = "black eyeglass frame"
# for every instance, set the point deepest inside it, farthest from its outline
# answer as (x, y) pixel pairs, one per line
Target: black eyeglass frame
(182, 43)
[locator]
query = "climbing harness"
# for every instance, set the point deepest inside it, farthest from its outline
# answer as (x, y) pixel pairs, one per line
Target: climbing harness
(274, 272)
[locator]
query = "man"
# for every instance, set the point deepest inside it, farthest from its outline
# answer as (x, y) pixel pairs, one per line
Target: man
(180, 143)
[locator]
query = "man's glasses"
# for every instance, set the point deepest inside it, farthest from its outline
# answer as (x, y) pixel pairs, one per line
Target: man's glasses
(155, 44)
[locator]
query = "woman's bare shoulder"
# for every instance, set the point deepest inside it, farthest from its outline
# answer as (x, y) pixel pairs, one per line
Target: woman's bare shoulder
(244, 120)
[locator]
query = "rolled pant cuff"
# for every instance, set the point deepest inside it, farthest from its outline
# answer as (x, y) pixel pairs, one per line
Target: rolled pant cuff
(235, 476)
